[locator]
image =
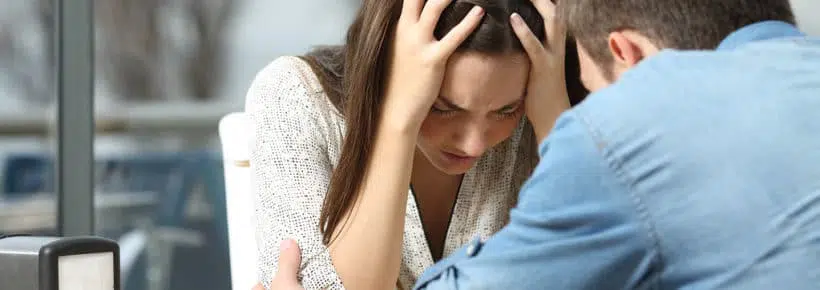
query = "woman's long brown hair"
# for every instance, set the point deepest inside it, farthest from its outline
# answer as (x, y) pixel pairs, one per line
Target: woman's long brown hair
(353, 77)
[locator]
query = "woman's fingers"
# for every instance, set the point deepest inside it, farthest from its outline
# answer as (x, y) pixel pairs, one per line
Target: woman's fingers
(545, 7)
(556, 33)
(528, 40)
(432, 12)
(450, 42)
(411, 9)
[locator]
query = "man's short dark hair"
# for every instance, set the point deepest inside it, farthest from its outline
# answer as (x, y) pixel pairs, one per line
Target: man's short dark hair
(678, 24)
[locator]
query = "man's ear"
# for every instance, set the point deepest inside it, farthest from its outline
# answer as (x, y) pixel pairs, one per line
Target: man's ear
(627, 50)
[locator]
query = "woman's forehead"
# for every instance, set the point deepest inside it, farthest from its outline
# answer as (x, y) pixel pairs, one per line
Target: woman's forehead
(479, 82)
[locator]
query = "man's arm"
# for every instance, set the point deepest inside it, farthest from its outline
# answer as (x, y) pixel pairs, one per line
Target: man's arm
(576, 227)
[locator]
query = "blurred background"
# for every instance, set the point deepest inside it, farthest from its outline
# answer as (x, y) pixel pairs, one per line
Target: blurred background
(165, 72)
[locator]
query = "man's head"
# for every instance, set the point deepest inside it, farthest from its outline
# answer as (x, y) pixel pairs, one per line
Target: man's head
(613, 36)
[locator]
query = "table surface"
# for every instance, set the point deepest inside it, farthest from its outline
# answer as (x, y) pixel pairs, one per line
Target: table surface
(39, 211)
(114, 210)
(166, 116)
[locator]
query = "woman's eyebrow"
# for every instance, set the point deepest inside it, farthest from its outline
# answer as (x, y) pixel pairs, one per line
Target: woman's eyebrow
(511, 104)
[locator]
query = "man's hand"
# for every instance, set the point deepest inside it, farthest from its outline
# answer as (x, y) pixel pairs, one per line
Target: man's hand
(290, 259)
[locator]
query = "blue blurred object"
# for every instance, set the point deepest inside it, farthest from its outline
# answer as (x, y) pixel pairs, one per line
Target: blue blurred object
(24, 174)
(176, 176)
(173, 177)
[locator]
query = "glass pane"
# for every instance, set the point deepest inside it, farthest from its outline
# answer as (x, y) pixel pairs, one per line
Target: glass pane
(805, 11)
(167, 72)
(27, 95)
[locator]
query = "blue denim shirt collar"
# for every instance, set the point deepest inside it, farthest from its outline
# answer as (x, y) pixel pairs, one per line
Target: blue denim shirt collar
(759, 31)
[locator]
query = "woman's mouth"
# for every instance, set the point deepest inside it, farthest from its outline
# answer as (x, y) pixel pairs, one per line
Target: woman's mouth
(457, 158)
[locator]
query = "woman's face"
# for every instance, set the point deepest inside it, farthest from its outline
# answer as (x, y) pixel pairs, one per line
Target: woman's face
(480, 104)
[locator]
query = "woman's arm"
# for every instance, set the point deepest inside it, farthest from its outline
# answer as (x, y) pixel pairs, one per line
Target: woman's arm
(291, 170)
(366, 246)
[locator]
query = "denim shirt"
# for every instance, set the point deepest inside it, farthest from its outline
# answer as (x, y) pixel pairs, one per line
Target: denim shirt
(695, 170)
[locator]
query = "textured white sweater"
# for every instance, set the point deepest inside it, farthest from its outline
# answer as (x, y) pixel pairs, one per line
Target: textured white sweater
(298, 136)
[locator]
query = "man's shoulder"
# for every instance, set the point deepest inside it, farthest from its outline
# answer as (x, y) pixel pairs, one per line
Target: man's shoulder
(684, 66)
(687, 106)
(661, 85)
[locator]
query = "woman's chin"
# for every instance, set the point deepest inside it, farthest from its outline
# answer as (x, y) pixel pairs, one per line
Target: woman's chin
(449, 163)
(454, 169)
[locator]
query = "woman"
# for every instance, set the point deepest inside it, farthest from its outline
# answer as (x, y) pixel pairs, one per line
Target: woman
(430, 98)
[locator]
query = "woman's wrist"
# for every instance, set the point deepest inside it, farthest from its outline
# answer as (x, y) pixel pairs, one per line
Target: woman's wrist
(404, 123)
(544, 120)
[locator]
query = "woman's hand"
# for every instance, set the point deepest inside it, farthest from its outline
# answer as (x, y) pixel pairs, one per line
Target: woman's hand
(547, 94)
(418, 60)
(290, 259)
(416, 69)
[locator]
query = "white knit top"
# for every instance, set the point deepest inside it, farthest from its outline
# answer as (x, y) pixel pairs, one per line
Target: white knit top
(298, 135)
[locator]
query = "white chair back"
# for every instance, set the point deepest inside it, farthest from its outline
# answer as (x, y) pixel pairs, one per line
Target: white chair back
(235, 134)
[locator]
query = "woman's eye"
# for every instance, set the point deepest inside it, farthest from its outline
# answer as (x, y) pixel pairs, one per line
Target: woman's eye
(509, 111)
(442, 111)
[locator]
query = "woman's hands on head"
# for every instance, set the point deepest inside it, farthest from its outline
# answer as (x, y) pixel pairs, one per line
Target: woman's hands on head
(547, 94)
(418, 61)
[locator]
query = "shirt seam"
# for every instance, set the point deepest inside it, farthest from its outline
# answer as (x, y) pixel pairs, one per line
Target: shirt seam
(615, 165)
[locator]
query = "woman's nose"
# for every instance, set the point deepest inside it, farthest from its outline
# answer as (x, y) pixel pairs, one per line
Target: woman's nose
(471, 141)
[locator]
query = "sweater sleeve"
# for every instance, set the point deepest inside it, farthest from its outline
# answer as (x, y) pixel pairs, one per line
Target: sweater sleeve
(291, 168)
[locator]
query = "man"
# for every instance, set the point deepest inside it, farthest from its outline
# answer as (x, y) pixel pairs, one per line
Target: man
(695, 163)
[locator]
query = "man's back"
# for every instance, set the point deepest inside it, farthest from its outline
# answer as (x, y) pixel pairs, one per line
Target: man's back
(721, 151)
